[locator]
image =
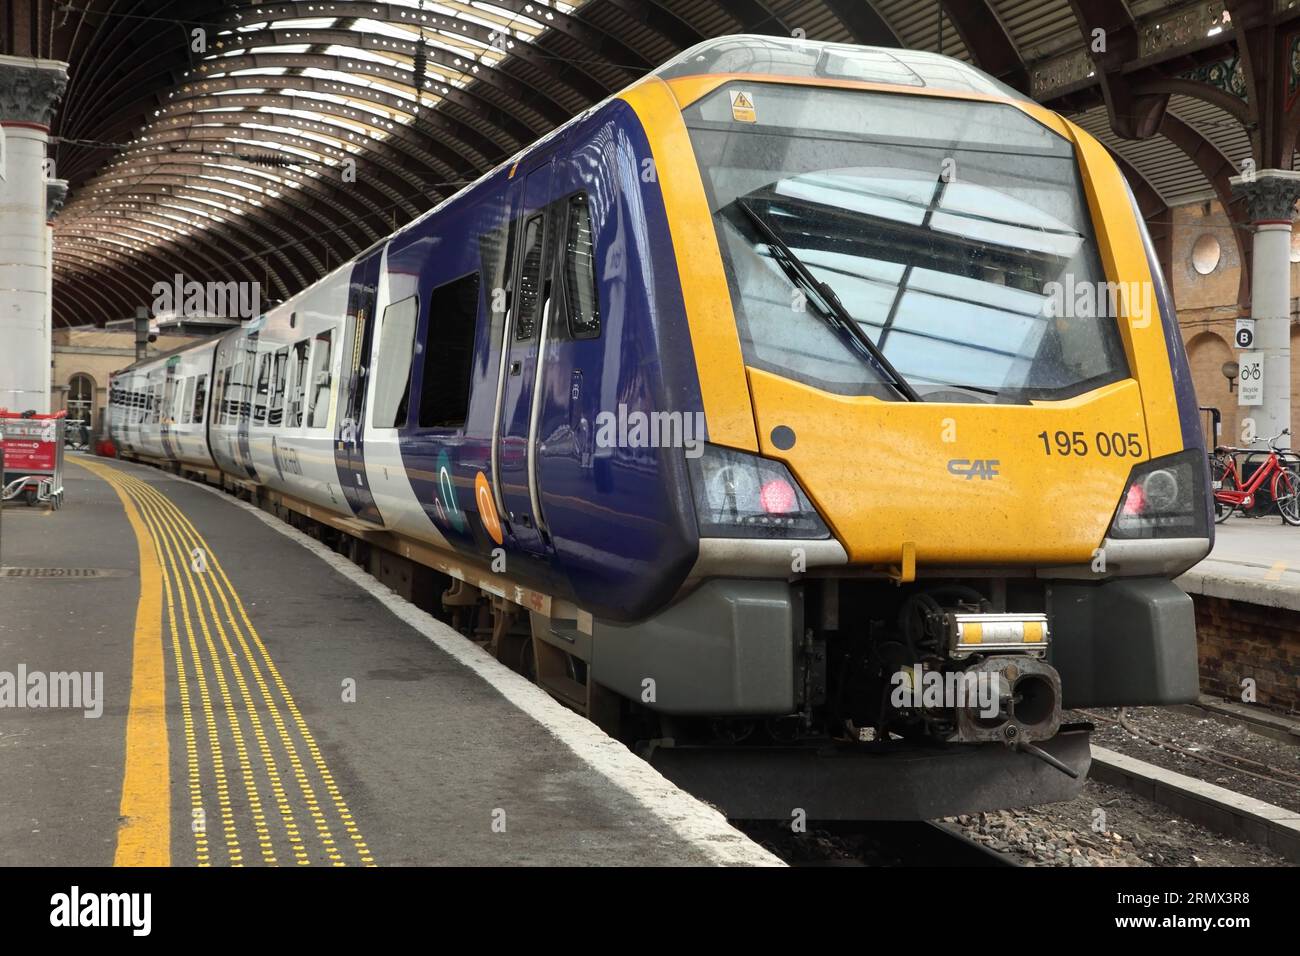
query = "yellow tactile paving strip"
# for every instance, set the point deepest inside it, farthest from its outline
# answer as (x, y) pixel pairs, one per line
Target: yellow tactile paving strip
(220, 658)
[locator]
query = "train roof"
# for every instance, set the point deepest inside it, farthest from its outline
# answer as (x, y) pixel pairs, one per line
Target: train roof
(178, 350)
(792, 56)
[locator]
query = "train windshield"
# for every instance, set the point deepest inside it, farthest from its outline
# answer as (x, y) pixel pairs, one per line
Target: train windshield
(955, 234)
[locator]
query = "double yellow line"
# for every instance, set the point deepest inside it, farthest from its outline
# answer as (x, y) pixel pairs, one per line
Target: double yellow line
(178, 566)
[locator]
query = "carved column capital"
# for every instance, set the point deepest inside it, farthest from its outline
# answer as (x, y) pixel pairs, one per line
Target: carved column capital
(29, 89)
(1270, 194)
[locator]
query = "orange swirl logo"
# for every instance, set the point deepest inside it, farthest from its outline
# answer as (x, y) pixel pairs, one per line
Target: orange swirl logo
(487, 509)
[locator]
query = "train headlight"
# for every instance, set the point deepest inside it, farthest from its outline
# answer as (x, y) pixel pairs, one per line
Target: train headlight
(740, 495)
(991, 633)
(1165, 498)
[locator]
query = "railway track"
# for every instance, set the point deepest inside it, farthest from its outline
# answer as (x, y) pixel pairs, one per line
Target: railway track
(886, 843)
(1212, 756)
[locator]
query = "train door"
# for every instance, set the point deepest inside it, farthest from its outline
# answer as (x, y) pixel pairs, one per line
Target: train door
(167, 417)
(246, 376)
(522, 352)
(349, 434)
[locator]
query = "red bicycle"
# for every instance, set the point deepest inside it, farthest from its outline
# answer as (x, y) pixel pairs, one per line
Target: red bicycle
(1230, 493)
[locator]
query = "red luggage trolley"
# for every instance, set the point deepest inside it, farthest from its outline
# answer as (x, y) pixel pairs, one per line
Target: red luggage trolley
(33, 457)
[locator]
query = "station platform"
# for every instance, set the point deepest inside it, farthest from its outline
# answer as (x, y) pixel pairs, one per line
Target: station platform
(1255, 560)
(261, 701)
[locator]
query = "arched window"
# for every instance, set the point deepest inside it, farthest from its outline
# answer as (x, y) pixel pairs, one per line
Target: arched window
(81, 401)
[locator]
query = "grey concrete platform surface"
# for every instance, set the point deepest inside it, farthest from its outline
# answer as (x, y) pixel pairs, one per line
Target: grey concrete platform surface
(1254, 559)
(311, 717)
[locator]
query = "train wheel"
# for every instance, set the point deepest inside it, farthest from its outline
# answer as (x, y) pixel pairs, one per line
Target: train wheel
(527, 664)
(1286, 494)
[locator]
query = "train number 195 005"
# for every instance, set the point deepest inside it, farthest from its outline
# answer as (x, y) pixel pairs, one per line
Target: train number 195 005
(1105, 444)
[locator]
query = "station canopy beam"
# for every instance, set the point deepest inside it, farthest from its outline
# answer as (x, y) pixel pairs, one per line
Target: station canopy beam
(271, 142)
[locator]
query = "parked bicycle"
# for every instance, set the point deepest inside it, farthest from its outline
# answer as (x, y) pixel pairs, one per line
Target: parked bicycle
(1280, 470)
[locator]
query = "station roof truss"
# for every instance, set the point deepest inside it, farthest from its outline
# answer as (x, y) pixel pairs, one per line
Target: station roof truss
(271, 142)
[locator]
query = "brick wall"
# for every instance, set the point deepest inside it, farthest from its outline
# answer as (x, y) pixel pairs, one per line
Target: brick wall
(1236, 640)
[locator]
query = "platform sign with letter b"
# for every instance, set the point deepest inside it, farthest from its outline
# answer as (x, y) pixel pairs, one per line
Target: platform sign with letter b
(1250, 387)
(1245, 336)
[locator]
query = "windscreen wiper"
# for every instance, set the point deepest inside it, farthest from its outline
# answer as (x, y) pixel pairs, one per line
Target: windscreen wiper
(837, 313)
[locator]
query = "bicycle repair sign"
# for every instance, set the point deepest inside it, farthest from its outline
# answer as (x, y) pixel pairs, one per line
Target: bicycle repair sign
(1250, 385)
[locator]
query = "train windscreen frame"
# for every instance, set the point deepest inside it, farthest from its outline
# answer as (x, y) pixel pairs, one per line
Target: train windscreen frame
(954, 232)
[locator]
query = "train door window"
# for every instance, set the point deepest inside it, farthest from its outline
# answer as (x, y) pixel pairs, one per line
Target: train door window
(396, 345)
(234, 391)
(279, 374)
(319, 414)
(187, 401)
(200, 399)
(247, 383)
(167, 403)
(494, 255)
(155, 404)
(530, 278)
(580, 272)
(219, 396)
(262, 393)
(174, 401)
(449, 352)
(298, 390)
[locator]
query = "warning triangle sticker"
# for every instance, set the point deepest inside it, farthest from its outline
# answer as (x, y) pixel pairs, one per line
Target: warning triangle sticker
(742, 107)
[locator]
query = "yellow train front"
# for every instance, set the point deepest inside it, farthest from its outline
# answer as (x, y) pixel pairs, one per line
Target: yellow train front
(953, 455)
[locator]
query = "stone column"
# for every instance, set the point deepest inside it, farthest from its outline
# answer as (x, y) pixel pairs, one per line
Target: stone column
(1271, 196)
(56, 191)
(29, 88)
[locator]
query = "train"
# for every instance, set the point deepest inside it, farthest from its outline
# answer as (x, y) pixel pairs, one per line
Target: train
(758, 413)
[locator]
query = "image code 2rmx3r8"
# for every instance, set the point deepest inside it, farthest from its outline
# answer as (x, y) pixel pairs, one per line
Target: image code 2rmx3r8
(779, 413)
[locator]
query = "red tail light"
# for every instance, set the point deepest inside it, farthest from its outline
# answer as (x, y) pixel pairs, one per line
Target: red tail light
(1135, 502)
(778, 498)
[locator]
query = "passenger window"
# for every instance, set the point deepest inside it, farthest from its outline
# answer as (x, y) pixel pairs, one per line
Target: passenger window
(187, 401)
(262, 395)
(299, 389)
(200, 399)
(320, 380)
(393, 380)
(276, 414)
(448, 353)
(580, 272)
(530, 279)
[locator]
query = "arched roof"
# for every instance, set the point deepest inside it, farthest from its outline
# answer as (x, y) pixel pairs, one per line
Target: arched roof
(218, 139)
